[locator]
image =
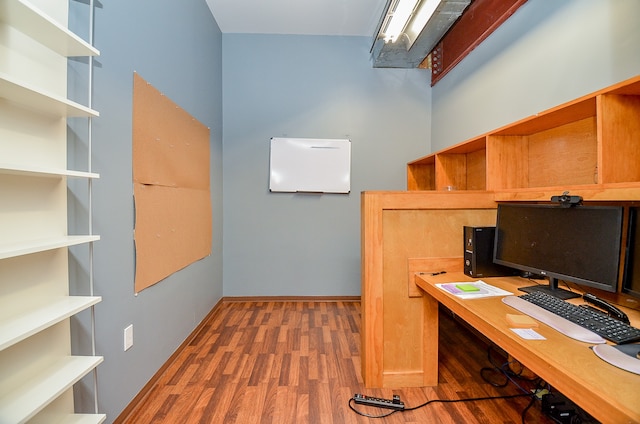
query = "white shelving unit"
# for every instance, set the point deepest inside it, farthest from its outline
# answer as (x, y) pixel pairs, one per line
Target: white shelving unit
(40, 245)
(36, 171)
(37, 368)
(32, 97)
(37, 25)
(25, 401)
(19, 327)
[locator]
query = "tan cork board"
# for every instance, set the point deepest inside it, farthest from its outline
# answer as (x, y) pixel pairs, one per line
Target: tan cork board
(171, 186)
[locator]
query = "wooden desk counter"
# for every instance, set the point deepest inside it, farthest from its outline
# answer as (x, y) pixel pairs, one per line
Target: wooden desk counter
(606, 392)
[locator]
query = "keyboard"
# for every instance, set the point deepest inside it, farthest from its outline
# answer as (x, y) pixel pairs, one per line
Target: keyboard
(599, 323)
(554, 321)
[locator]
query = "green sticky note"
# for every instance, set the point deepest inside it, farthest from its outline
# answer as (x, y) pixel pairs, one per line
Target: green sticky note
(467, 287)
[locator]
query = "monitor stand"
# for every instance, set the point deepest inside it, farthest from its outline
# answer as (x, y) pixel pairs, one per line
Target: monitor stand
(552, 289)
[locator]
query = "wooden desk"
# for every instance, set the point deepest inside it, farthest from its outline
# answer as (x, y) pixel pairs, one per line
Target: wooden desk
(609, 394)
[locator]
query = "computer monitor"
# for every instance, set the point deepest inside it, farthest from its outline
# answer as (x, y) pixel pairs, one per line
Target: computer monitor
(631, 280)
(579, 244)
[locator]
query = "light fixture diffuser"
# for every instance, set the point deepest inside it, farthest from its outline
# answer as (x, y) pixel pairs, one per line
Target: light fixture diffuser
(425, 12)
(398, 17)
(409, 30)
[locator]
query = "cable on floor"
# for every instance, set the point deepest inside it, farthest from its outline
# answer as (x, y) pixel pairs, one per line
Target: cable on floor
(351, 402)
(505, 370)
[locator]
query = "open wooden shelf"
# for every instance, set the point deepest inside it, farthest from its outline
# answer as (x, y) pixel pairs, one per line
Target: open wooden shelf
(590, 143)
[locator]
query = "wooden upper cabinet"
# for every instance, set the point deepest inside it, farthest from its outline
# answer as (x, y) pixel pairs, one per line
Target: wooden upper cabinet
(589, 145)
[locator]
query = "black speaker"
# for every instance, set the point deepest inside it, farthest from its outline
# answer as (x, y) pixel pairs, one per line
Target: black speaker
(478, 253)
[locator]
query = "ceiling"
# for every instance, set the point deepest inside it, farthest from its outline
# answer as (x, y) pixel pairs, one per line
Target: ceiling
(362, 18)
(304, 17)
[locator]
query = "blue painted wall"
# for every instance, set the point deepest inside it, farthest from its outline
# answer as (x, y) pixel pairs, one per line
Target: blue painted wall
(278, 244)
(297, 86)
(546, 54)
(177, 47)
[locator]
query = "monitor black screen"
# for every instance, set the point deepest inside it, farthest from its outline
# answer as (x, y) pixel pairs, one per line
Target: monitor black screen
(631, 283)
(579, 244)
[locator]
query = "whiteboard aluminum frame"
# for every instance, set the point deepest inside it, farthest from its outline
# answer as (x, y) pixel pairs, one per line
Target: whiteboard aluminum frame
(310, 165)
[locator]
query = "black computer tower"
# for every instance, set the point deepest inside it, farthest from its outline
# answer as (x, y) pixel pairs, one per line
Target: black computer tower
(478, 253)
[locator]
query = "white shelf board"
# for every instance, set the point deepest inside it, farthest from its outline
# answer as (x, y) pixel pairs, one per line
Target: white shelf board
(30, 20)
(18, 328)
(84, 419)
(21, 403)
(36, 171)
(33, 98)
(10, 250)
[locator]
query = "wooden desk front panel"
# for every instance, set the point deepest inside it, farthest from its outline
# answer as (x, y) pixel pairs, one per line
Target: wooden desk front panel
(606, 392)
(416, 233)
(394, 229)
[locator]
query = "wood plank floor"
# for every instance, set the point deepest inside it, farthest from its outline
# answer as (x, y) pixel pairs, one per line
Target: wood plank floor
(298, 362)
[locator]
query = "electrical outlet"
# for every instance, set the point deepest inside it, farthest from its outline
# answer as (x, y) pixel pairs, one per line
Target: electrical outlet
(128, 337)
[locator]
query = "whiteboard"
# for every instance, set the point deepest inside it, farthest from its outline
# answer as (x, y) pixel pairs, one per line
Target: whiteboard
(310, 165)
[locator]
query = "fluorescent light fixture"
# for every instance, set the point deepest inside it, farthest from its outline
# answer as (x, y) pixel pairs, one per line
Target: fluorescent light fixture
(427, 8)
(409, 17)
(417, 27)
(398, 18)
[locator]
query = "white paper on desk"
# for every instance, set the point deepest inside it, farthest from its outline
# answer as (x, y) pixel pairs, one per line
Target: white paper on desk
(484, 290)
(528, 333)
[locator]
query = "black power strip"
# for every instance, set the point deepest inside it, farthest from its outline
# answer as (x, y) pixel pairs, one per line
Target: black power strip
(394, 403)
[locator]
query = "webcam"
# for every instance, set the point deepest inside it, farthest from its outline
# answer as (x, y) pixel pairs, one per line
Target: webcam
(566, 200)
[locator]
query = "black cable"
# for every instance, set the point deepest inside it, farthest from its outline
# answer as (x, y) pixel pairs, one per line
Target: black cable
(524, 411)
(351, 401)
(484, 371)
(437, 401)
(467, 400)
(503, 369)
(494, 369)
(511, 376)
